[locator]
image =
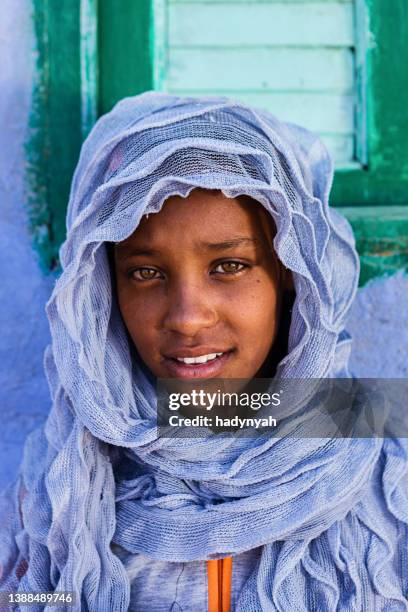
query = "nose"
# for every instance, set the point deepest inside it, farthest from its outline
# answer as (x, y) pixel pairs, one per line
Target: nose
(190, 309)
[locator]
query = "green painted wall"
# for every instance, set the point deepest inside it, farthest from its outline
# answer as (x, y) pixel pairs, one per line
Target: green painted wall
(381, 238)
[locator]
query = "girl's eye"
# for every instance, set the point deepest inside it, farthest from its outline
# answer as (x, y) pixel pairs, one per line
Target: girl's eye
(144, 274)
(230, 267)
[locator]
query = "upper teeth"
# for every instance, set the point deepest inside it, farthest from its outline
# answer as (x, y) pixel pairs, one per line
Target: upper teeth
(200, 359)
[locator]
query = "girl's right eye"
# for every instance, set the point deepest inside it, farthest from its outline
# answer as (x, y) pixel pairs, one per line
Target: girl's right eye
(143, 274)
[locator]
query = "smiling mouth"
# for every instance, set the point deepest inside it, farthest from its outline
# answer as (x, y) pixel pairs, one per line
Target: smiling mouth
(198, 366)
(199, 358)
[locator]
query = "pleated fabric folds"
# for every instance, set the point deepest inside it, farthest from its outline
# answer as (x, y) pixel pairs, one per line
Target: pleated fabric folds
(331, 514)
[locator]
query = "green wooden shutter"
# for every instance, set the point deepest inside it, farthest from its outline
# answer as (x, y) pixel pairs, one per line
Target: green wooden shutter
(338, 67)
(296, 59)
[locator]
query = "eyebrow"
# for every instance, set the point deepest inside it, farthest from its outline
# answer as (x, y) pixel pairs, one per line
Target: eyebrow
(126, 252)
(231, 244)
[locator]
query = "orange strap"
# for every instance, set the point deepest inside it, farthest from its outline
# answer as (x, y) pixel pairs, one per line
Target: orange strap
(219, 573)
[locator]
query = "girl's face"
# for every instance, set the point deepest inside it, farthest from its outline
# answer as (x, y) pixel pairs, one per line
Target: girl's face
(199, 287)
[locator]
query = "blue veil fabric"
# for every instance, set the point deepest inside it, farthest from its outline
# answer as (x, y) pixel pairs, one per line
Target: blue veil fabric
(331, 514)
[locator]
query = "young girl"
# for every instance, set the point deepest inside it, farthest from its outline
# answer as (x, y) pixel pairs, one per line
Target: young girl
(200, 245)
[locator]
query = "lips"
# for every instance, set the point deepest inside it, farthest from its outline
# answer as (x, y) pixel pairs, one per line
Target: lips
(197, 363)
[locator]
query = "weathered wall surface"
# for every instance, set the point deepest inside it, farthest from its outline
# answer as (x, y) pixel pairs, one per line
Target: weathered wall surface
(24, 290)
(378, 322)
(379, 326)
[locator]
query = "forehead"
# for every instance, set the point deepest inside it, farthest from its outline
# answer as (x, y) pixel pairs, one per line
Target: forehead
(204, 216)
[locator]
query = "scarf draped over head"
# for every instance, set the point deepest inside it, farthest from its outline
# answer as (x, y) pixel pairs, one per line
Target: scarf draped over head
(327, 511)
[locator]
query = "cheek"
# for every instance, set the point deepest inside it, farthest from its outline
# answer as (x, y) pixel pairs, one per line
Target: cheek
(259, 303)
(258, 315)
(139, 316)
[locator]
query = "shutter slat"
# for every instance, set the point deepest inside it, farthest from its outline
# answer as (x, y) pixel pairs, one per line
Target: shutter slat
(261, 69)
(330, 113)
(221, 25)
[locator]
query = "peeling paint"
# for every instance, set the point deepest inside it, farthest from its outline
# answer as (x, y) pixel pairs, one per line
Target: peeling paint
(381, 239)
(37, 148)
(89, 64)
(55, 137)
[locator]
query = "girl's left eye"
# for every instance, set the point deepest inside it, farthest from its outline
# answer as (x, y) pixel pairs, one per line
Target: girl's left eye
(230, 267)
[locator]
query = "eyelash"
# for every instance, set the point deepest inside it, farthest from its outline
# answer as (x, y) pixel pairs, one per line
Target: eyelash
(233, 261)
(242, 266)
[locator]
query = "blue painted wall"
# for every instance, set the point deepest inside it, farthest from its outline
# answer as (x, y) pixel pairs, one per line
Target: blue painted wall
(24, 290)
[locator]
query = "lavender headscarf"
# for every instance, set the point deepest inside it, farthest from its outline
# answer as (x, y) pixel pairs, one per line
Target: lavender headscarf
(332, 514)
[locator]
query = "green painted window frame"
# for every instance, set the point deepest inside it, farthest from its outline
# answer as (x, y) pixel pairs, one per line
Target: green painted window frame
(76, 81)
(92, 53)
(383, 180)
(379, 174)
